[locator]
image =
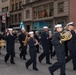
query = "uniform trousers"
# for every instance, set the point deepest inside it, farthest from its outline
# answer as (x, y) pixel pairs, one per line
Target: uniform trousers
(32, 60)
(73, 57)
(10, 52)
(23, 51)
(60, 63)
(37, 46)
(46, 54)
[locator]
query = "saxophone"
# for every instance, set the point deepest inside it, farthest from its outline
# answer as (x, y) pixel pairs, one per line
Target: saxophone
(26, 40)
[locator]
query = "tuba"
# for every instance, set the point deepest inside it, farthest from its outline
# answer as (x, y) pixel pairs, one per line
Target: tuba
(65, 35)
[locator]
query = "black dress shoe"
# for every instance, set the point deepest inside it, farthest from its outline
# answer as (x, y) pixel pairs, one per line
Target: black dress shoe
(51, 56)
(39, 60)
(12, 62)
(5, 61)
(74, 69)
(20, 48)
(38, 52)
(35, 69)
(24, 58)
(48, 63)
(26, 66)
(62, 74)
(20, 56)
(51, 72)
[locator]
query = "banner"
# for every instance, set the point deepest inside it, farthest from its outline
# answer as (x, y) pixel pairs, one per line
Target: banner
(3, 18)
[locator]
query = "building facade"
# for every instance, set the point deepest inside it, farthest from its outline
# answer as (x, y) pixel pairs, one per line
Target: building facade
(39, 13)
(4, 9)
(16, 13)
(72, 11)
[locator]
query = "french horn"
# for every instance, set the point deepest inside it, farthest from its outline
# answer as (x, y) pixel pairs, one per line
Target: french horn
(65, 35)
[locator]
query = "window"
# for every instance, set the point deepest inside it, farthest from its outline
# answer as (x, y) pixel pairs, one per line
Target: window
(16, 6)
(61, 7)
(51, 10)
(27, 1)
(15, 18)
(20, 4)
(20, 17)
(12, 18)
(27, 14)
(5, 9)
(35, 13)
(33, 0)
(45, 11)
(4, 0)
(12, 7)
(41, 11)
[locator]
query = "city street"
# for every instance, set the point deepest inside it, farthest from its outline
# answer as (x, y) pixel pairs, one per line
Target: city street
(20, 69)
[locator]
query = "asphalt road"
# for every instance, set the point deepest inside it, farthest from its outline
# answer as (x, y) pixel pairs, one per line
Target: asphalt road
(20, 69)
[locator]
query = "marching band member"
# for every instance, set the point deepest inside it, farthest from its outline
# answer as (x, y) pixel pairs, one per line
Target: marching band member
(37, 37)
(50, 42)
(45, 44)
(32, 51)
(71, 45)
(60, 53)
(22, 37)
(10, 42)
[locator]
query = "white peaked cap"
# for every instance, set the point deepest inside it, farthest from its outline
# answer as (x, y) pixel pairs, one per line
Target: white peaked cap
(10, 29)
(31, 32)
(58, 25)
(45, 27)
(70, 23)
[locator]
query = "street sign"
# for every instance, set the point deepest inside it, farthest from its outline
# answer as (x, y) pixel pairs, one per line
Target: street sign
(3, 18)
(8, 14)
